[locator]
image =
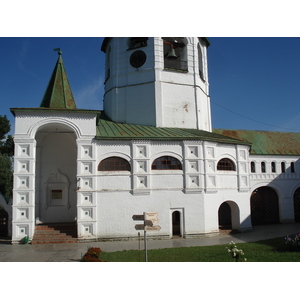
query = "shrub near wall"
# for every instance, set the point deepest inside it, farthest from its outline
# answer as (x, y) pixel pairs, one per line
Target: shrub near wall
(92, 255)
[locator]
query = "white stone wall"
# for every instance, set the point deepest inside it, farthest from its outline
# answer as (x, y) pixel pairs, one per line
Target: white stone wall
(284, 183)
(109, 199)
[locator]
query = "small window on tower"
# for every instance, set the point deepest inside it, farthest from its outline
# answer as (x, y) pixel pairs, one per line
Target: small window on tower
(137, 42)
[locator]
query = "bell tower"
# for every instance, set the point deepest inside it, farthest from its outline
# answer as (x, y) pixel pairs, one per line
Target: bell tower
(157, 81)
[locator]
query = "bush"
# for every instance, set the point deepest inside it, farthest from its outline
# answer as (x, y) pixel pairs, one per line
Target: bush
(293, 242)
(92, 255)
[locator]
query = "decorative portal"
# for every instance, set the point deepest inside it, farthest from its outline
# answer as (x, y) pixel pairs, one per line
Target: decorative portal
(58, 190)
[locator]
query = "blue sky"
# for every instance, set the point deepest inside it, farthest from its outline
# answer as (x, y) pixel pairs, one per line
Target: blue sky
(254, 82)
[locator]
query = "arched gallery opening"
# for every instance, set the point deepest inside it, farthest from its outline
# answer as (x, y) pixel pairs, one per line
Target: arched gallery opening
(297, 205)
(264, 206)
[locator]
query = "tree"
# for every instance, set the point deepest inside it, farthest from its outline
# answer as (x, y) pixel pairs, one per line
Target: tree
(6, 155)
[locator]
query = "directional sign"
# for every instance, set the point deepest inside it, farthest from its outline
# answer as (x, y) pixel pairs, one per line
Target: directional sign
(148, 223)
(138, 217)
(151, 215)
(154, 221)
(139, 227)
(152, 228)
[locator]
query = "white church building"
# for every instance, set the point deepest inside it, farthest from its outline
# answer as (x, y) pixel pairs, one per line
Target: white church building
(152, 149)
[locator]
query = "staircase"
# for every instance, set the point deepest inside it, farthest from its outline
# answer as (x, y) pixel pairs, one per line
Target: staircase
(55, 233)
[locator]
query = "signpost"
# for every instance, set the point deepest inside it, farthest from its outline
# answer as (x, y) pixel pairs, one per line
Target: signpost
(149, 218)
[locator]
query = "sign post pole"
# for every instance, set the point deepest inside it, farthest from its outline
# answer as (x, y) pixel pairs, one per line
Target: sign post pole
(145, 242)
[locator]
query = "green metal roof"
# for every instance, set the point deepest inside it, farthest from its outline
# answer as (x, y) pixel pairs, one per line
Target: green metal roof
(58, 93)
(266, 142)
(109, 130)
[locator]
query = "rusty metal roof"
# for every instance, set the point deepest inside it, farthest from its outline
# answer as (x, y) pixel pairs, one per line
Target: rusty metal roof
(266, 142)
(109, 130)
(58, 93)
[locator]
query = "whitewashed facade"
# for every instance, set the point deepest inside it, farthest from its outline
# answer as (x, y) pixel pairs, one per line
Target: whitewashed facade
(58, 152)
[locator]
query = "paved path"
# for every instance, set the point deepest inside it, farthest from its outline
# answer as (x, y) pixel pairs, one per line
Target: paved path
(73, 252)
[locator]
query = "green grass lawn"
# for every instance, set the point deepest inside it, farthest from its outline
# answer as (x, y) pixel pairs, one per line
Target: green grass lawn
(272, 250)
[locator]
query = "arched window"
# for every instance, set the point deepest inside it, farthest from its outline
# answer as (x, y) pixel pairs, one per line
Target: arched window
(283, 167)
(225, 164)
(292, 167)
(200, 63)
(263, 167)
(114, 163)
(273, 167)
(166, 163)
(175, 55)
(252, 167)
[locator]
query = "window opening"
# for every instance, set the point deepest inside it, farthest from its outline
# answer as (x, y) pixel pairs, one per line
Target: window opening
(225, 164)
(200, 63)
(56, 194)
(263, 167)
(292, 167)
(137, 42)
(252, 167)
(114, 163)
(283, 167)
(166, 163)
(273, 167)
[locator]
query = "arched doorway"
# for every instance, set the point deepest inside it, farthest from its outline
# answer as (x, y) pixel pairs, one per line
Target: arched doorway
(229, 216)
(297, 205)
(176, 223)
(3, 222)
(56, 170)
(264, 206)
(225, 216)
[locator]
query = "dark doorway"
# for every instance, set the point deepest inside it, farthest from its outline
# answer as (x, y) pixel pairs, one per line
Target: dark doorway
(225, 216)
(176, 223)
(264, 206)
(297, 205)
(3, 222)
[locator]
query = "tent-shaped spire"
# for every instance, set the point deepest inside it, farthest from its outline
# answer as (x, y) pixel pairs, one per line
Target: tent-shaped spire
(58, 93)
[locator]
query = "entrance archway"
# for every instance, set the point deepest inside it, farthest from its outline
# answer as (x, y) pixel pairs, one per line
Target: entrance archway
(3, 222)
(297, 205)
(56, 170)
(264, 206)
(176, 223)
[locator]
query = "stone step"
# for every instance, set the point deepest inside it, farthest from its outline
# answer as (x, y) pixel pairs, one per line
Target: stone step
(55, 233)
